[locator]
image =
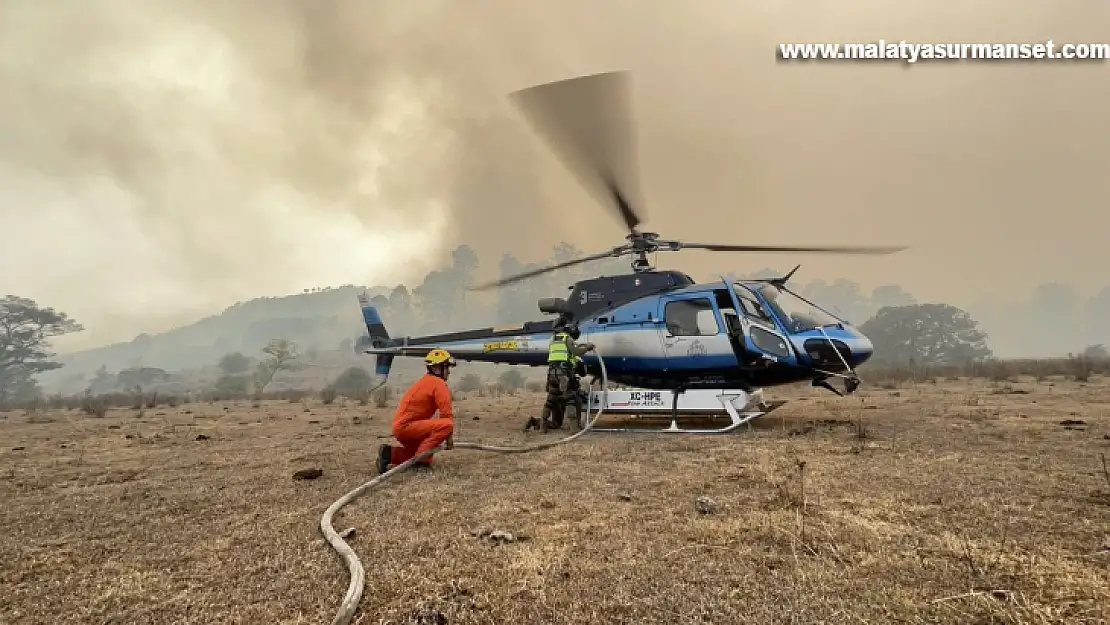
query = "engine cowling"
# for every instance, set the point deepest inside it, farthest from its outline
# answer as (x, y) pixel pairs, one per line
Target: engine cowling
(553, 306)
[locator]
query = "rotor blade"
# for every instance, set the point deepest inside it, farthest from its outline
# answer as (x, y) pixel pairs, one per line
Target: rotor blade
(535, 272)
(831, 249)
(631, 220)
(587, 120)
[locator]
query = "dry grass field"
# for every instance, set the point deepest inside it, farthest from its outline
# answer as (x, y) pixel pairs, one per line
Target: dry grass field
(959, 501)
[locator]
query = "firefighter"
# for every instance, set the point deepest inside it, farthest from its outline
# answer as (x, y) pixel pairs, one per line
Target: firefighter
(413, 425)
(563, 363)
(577, 372)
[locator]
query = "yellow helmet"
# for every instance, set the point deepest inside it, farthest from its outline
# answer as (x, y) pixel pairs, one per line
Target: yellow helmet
(439, 357)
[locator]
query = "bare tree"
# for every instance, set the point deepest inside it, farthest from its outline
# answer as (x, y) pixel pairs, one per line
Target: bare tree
(282, 356)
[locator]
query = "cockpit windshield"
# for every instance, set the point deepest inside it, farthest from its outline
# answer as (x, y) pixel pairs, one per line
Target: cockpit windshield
(797, 314)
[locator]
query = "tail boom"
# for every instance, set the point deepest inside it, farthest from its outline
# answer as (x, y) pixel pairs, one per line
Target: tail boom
(526, 344)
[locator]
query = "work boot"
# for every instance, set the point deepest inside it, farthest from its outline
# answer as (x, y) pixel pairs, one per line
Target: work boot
(555, 420)
(385, 458)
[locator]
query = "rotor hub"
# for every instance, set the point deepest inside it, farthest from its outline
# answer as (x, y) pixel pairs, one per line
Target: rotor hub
(640, 244)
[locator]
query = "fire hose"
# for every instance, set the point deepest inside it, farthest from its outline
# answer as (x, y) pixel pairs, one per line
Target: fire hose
(350, 602)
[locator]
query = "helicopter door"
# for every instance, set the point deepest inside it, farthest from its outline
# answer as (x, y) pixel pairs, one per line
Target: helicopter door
(694, 335)
(759, 334)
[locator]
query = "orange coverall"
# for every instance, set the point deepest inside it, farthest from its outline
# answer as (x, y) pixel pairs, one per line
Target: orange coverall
(413, 425)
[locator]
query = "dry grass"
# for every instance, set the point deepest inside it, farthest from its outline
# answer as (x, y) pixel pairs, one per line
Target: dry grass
(958, 501)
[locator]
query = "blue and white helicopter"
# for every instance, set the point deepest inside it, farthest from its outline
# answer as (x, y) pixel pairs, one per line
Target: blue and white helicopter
(689, 347)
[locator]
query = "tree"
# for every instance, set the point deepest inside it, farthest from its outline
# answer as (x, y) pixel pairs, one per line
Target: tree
(21, 389)
(1096, 352)
(1096, 312)
(464, 262)
(141, 376)
(565, 252)
(925, 334)
(470, 382)
(400, 308)
(512, 298)
(437, 297)
(891, 295)
(282, 356)
(25, 333)
(233, 385)
(511, 380)
(234, 364)
(843, 297)
(353, 382)
(28, 391)
(234, 378)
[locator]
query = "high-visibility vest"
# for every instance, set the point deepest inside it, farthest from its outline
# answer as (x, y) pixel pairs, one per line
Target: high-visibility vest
(559, 351)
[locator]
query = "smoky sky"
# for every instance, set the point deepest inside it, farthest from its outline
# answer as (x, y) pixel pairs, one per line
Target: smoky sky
(160, 160)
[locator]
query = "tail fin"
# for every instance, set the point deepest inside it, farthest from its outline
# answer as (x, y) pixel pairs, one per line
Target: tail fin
(379, 336)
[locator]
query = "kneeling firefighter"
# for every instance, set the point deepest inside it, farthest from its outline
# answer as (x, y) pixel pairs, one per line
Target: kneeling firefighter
(564, 363)
(413, 425)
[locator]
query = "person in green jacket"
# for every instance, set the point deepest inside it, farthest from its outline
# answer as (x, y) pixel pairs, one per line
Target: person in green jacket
(564, 360)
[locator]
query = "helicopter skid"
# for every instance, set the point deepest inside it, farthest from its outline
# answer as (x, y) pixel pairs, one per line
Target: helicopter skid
(741, 407)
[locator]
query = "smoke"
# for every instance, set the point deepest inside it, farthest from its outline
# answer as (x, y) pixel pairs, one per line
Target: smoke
(159, 160)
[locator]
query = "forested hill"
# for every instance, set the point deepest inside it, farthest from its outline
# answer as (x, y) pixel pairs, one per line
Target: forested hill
(316, 318)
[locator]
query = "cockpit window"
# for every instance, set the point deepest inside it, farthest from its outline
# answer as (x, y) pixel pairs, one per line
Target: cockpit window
(751, 305)
(796, 314)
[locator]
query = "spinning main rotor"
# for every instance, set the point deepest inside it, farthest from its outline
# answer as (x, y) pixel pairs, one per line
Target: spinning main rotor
(588, 121)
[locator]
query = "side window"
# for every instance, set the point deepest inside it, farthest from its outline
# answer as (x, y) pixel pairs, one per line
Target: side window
(691, 317)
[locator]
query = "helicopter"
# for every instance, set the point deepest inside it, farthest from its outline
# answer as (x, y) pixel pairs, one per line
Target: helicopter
(657, 329)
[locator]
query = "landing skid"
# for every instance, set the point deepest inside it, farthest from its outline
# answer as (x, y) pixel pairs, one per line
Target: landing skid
(741, 407)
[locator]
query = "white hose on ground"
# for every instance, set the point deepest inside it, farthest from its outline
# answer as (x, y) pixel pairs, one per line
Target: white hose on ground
(347, 609)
